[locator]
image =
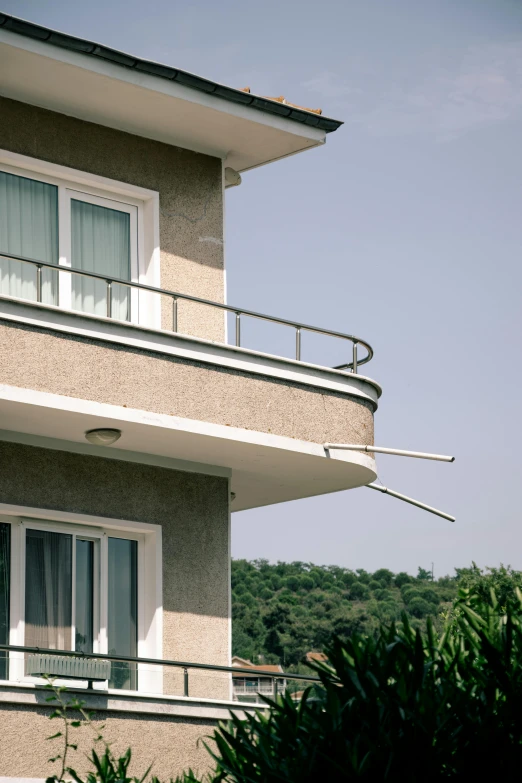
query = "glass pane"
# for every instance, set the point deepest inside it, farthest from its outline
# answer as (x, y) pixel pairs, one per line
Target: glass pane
(28, 227)
(84, 635)
(48, 590)
(123, 610)
(100, 244)
(5, 563)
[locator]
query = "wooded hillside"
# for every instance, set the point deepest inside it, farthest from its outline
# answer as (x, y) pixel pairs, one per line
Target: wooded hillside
(281, 611)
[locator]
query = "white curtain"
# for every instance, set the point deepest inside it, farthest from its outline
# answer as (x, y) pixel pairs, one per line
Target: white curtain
(28, 227)
(100, 244)
(48, 590)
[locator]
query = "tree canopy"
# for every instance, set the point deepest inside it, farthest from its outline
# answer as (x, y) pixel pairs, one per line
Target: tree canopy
(281, 611)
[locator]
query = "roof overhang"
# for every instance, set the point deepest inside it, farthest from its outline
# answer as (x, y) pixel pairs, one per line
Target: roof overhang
(245, 131)
(263, 468)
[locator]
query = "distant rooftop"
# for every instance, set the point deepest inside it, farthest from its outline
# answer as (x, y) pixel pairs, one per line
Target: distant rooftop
(318, 657)
(244, 663)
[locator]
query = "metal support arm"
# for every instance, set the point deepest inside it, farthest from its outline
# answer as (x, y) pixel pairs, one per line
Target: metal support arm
(381, 450)
(413, 502)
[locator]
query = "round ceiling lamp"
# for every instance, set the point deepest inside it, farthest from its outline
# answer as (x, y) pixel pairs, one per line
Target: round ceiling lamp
(103, 437)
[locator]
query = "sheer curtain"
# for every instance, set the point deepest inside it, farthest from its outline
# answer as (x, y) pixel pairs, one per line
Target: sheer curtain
(101, 244)
(28, 227)
(48, 590)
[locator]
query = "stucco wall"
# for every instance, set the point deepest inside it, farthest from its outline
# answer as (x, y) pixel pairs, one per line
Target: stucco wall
(189, 184)
(38, 359)
(193, 512)
(170, 744)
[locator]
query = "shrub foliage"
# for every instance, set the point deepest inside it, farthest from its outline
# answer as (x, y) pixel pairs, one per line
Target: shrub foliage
(403, 703)
(398, 706)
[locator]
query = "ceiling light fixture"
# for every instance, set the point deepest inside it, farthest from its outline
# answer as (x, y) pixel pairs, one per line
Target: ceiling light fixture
(103, 437)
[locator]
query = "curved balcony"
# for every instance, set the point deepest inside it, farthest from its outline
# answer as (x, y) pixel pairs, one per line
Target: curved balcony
(139, 298)
(182, 401)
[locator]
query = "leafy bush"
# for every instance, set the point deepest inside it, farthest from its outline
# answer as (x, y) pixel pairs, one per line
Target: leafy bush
(401, 705)
(404, 706)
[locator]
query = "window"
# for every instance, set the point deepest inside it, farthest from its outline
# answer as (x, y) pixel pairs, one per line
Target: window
(62, 593)
(44, 216)
(88, 588)
(28, 227)
(123, 609)
(5, 562)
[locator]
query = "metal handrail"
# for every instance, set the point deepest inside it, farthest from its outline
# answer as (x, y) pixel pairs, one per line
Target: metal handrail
(185, 665)
(174, 295)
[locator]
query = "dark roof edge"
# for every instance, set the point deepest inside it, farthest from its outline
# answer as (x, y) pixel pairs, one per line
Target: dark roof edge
(56, 38)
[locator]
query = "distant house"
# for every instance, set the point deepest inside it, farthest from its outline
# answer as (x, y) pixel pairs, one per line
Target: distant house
(249, 687)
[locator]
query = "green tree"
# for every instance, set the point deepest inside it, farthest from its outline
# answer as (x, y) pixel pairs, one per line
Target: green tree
(383, 575)
(419, 607)
(402, 578)
(359, 592)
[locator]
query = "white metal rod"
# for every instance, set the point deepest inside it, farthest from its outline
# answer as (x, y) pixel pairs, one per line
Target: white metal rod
(381, 450)
(413, 502)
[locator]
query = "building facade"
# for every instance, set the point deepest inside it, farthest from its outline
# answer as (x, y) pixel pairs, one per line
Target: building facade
(132, 420)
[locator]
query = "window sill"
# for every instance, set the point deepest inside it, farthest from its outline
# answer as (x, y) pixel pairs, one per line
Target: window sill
(29, 695)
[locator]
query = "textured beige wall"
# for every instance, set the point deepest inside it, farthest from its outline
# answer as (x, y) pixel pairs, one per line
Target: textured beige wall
(170, 744)
(189, 184)
(37, 359)
(193, 512)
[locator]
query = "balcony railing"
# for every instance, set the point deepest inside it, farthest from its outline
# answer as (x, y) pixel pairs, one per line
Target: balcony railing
(265, 689)
(356, 359)
(18, 663)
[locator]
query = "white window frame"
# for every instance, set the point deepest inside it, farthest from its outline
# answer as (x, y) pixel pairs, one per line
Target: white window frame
(65, 196)
(141, 203)
(150, 608)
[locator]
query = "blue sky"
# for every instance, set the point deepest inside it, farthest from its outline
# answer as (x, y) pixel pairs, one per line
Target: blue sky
(405, 229)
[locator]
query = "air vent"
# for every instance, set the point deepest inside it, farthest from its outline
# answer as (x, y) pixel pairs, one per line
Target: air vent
(68, 667)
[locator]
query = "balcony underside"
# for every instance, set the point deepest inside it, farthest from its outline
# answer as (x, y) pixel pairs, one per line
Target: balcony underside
(264, 468)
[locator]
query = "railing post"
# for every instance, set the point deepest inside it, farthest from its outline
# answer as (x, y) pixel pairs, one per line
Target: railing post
(38, 283)
(185, 683)
(274, 687)
(238, 329)
(109, 299)
(298, 343)
(175, 314)
(354, 360)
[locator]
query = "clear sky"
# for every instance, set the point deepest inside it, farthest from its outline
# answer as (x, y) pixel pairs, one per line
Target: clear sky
(406, 229)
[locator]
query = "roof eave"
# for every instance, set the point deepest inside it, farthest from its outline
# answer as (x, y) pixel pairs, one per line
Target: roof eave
(91, 48)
